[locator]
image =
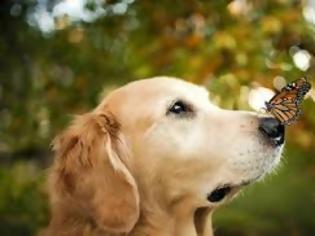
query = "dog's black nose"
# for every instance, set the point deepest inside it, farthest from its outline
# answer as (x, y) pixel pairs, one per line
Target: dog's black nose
(272, 129)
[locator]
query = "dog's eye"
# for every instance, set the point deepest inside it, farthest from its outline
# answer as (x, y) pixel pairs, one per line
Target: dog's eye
(179, 108)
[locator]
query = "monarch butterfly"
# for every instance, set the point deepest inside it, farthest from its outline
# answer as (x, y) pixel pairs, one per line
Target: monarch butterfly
(286, 105)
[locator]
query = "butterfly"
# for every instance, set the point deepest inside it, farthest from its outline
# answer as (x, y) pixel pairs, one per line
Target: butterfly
(285, 106)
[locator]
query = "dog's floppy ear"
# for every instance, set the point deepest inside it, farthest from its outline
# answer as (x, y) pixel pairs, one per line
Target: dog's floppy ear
(91, 171)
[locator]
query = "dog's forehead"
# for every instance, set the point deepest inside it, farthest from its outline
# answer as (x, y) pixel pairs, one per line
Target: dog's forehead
(170, 89)
(153, 95)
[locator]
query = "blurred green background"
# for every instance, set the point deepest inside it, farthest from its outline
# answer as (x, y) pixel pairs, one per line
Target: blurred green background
(58, 58)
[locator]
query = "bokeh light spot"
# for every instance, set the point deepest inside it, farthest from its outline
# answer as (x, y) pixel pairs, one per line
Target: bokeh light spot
(258, 96)
(302, 59)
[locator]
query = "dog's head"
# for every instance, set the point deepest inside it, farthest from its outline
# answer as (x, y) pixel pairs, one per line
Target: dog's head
(186, 145)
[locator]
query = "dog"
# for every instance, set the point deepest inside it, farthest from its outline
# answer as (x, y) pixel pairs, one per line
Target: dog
(155, 158)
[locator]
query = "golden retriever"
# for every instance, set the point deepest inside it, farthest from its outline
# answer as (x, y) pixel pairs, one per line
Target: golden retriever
(155, 158)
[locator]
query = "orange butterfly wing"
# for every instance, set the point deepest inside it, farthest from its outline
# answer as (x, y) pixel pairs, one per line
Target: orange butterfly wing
(285, 106)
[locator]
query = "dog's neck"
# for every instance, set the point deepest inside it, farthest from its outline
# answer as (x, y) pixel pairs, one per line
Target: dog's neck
(161, 217)
(184, 223)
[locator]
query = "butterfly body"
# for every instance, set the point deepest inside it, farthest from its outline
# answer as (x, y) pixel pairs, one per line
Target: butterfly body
(286, 105)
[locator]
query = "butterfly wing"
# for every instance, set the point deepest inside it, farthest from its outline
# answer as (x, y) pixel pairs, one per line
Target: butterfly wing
(301, 85)
(285, 106)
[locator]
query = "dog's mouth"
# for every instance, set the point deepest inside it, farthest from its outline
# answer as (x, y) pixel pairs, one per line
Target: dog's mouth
(221, 192)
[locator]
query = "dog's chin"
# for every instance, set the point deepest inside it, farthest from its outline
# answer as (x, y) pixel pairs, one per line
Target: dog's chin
(230, 189)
